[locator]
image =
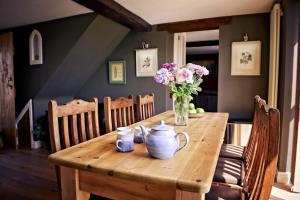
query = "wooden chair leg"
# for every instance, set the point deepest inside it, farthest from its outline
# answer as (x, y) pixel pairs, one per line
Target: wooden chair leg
(57, 172)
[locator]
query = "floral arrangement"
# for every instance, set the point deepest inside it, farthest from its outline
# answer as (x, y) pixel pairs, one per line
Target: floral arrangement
(182, 81)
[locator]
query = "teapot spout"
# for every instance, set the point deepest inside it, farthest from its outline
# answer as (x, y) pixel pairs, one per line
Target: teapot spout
(144, 132)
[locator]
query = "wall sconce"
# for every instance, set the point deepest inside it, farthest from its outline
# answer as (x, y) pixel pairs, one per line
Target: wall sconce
(145, 45)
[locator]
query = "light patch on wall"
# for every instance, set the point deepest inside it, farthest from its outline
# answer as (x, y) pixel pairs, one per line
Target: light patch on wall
(294, 78)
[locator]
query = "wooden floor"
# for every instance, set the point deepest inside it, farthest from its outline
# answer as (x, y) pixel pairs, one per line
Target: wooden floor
(27, 175)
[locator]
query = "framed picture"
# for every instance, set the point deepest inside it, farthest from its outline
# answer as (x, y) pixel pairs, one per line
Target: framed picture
(117, 72)
(146, 62)
(246, 58)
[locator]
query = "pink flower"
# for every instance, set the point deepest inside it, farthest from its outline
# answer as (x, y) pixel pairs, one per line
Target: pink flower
(184, 75)
(202, 71)
(169, 66)
(199, 70)
(192, 67)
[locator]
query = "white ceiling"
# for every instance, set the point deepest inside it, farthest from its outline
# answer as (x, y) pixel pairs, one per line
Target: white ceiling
(21, 12)
(15, 13)
(164, 11)
(202, 35)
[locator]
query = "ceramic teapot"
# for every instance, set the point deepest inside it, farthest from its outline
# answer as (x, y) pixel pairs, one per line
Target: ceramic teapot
(162, 142)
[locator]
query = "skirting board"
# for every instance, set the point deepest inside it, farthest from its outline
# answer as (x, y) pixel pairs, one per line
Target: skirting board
(283, 178)
(36, 144)
(295, 189)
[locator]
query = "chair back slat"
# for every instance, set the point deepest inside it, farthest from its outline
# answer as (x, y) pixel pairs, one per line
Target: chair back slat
(74, 130)
(65, 132)
(120, 119)
(70, 124)
(82, 130)
(89, 125)
(114, 121)
(95, 120)
(145, 106)
(127, 115)
(262, 152)
(119, 112)
(124, 116)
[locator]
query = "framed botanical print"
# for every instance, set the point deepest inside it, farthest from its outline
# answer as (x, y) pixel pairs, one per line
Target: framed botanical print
(146, 62)
(246, 58)
(117, 72)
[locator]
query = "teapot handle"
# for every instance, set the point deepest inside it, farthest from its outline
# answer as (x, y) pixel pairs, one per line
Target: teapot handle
(187, 139)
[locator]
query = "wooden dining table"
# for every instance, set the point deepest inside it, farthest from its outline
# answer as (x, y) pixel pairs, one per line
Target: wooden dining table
(97, 167)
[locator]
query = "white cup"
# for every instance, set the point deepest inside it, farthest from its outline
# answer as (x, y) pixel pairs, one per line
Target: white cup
(124, 142)
(123, 131)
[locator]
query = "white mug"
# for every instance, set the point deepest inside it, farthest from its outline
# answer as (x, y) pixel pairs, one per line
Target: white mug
(124, 140)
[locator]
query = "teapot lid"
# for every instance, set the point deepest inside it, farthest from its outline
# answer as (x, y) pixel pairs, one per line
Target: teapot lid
(161, 127)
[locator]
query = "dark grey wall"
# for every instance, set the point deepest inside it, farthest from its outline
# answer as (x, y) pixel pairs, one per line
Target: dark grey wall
(58, 38)
(95, 44)
(236, 93)
(73, 48)
(287, 80)
(98, 84)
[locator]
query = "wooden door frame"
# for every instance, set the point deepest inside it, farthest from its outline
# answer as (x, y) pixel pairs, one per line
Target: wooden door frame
(9, 137)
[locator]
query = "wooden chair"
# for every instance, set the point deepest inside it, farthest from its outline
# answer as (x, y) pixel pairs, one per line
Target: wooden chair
(118, 113)
(145, 106)
(242, 152)
(237, 157)
(65, 120)
(261, 170)
(72, 123)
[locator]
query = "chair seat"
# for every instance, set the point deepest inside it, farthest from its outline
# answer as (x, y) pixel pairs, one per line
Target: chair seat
(230, 171)
(232, 151)
(223, 193)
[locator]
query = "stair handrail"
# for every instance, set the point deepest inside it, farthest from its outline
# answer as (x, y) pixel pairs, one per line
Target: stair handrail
(28, 107)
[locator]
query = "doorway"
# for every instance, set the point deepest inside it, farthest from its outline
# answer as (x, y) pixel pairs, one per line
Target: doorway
(202, 48)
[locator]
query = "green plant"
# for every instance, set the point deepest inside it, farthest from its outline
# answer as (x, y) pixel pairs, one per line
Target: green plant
(41, 131)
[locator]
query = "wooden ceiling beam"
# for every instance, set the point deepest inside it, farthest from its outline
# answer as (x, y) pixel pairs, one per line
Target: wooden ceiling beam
(203, 43)
(194, 25)
(117, 13)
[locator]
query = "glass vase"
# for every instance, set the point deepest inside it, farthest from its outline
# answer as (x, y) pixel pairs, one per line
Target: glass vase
(181, 109)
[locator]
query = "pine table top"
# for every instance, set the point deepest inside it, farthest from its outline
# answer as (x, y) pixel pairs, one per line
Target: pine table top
(191, 169)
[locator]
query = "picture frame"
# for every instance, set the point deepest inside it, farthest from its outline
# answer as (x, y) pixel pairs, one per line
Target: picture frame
(117, 72)
(246, 58)
(146, 62)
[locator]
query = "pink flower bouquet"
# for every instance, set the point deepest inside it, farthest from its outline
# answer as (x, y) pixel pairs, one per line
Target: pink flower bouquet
(183, 82)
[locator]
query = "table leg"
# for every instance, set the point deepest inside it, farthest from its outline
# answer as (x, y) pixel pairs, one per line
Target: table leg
(70, 185)
(183, 195)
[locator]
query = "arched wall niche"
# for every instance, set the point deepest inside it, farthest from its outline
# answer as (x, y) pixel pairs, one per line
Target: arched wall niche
(35, 48)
